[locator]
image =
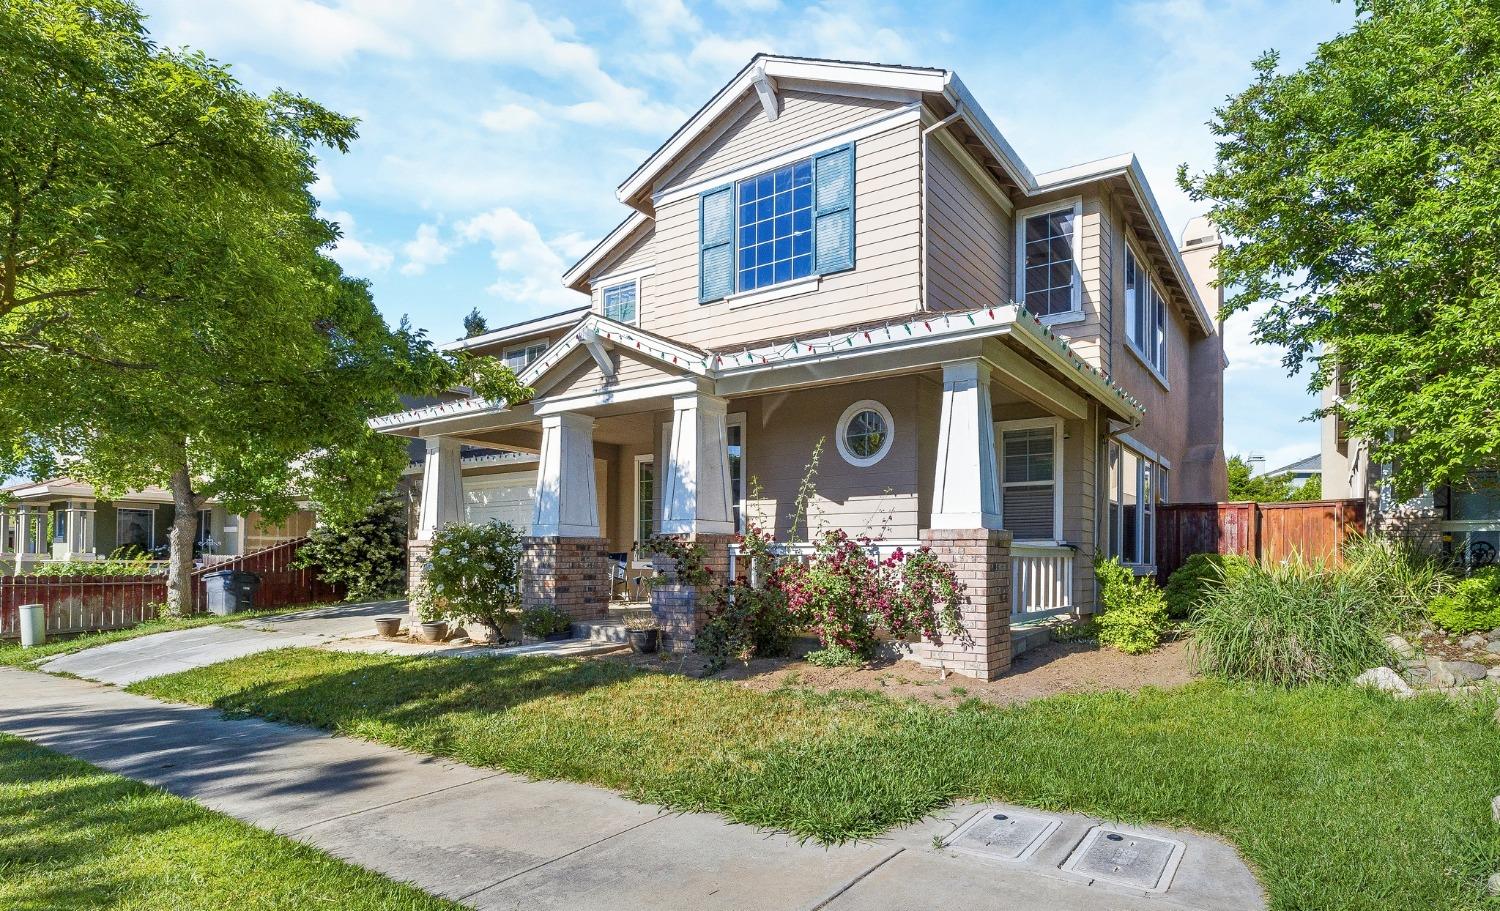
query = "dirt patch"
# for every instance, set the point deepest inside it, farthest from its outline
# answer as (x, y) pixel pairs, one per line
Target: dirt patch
(1073, 667)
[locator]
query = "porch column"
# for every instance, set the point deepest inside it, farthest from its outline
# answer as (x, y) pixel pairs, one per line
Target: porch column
(965, 528)
(80, 528)
(966, 486)
(695, 499)
(442, 486)
(25, 539)
(565, 561)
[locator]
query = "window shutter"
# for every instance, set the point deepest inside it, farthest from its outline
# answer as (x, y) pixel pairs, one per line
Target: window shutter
(833, 210)
(716, 244)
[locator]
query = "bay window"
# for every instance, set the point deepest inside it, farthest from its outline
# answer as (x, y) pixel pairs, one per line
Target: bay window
(1137, 485)
(1145, 315)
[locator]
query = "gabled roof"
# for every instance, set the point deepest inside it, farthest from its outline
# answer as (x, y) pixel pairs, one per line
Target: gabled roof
(1313, 463)
(518, 330)
(596, 326)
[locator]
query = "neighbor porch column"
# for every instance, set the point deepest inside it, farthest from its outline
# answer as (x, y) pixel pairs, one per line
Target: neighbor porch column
(442, 501)
(565, 559)
(696, 506)
(965, 528)
(25, 538)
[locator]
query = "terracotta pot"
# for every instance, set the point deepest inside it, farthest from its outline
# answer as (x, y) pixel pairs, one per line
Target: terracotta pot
(435, 631)
(643, 641)
(388, 626)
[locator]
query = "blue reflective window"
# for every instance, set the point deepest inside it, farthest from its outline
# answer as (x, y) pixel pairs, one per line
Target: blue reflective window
(775, 231)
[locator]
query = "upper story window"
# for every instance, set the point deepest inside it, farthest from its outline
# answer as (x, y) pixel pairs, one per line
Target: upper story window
(518, 359)
(1048, 252)
(1145, 315)
(620, 302)
(788, 223)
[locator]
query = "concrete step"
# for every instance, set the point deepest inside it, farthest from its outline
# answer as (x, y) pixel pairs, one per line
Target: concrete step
(1025, 638)
(600, 630)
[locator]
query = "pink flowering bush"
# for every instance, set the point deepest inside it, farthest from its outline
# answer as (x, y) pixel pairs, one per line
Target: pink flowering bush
(848, 595)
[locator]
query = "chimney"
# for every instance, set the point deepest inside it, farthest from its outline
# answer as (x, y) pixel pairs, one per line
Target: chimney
(1203, 476)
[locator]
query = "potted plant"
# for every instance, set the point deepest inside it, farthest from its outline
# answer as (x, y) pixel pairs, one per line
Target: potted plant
(429, 608)
(476, 572)
(547, 624)
(388, 627)
(643, 633)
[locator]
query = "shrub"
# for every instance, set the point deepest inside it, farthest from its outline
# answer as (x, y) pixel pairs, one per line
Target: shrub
(1292, 623)
(475, 571)
(1473, 604)
(126, 561)
(1186, 587)
(1396, 574)
(1135, 612)
(545, 621)
(366, 555)
(835, 656)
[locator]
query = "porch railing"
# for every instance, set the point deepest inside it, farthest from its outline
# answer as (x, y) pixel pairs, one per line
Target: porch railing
(803, 550)
(1041, 580)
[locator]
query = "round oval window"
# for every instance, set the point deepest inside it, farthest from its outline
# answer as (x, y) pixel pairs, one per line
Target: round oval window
(865, 433)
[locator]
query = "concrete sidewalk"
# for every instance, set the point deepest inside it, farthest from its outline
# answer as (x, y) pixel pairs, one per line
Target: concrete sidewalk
(494, 840)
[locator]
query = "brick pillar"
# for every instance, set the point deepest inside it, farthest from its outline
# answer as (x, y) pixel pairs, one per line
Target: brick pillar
(416, 563)
(680, 609)
(981, 559)
(570, 574)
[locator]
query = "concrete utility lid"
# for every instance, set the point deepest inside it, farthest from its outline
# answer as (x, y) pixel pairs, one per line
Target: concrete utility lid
(1126, 858)
(1002, 833)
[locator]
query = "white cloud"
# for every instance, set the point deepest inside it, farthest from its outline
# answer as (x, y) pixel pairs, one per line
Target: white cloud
(510, 118)
(323, 189)
(423, 250)
(530, 269)
(661, 20)
(849, 34)
(358, 256)
(750, 6)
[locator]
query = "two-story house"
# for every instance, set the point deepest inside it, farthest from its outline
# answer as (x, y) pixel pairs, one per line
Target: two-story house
(1012, 368)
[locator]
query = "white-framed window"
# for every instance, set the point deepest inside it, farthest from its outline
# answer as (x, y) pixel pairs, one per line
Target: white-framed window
(1048, 241)
(865, 432)
(775, 224)
(1145, 314)
(620, 302)
(645, 506)
(135, 528)
(734, 439)
(1137, 485)
(519, 358)
(1030, 454)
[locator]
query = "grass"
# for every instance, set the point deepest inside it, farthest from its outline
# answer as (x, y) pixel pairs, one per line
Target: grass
(74, 836)
(1340, 798)
(13, 655)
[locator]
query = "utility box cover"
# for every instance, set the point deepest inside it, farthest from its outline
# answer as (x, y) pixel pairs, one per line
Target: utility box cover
(1003, 833)
(1126, 858)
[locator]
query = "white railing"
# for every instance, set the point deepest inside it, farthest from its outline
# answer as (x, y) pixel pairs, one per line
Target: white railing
(803, 550)
(1041, 580)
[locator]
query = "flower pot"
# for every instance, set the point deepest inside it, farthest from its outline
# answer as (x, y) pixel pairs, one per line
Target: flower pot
(434, 631)
(643, 641)
(388, 626)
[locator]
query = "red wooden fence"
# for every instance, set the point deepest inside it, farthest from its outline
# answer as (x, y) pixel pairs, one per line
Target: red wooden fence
(82, 603)
(1266, 531)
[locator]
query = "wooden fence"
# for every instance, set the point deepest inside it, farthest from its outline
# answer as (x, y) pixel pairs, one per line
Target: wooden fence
(76, 604)
(1265, 531)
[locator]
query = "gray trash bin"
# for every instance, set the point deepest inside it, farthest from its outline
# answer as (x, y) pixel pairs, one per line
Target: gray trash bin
(230, 591)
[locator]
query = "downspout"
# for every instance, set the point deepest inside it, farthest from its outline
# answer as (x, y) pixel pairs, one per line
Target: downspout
(922, 266)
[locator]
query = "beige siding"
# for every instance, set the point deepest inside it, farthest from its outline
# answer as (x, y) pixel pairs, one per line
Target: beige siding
(585, 375)
(882, 284)
(804, 117)
(970, 239)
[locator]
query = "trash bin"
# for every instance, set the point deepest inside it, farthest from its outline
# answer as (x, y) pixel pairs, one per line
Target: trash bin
(230, 591)
(33, 620)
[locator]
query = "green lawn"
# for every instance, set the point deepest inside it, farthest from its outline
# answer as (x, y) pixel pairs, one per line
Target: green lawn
(1340, 798)
(73, 836)
(13, 655)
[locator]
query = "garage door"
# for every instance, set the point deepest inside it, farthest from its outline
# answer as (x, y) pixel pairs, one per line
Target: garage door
(506, 498)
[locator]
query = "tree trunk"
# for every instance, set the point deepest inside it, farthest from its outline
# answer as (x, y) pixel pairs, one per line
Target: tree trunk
(185, 505)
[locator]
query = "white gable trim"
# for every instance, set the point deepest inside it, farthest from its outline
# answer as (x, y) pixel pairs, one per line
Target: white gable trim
(604, 248)
(595, 327)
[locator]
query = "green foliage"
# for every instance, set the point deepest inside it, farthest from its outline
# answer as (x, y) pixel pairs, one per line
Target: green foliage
(835, 656)
(475, 324)
(1472, 606)
(1293, 623)
(1309, 490)
(1356, 196)
(1259, 488)
(1186, 586)
(545, 621)
(1135, 612)
(125, 561)
(427, 605)
(368, 554)
(475, 572)
(688, 556)
(1395, 575)
(750, 616)
(1080, 631)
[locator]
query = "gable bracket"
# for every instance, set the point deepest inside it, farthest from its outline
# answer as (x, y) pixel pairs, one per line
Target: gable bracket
(765, 89)
(598, 349)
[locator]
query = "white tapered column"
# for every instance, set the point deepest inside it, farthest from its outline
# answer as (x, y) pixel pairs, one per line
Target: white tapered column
(567, 504)
(442, 487)
(695, 499)
(966, 487)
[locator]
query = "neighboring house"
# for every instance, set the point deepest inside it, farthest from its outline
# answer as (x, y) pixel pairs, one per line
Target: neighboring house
(62, 519)
(1458, 521)
(1299, 471)
(833, 252)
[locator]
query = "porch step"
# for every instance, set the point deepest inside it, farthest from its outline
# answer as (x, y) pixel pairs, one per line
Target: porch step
(1025, 638)
(600, 630)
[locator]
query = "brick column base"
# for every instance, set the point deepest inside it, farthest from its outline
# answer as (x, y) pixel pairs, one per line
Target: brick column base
(569, 574)
(981, 559)
(680, 610)
(416, 562)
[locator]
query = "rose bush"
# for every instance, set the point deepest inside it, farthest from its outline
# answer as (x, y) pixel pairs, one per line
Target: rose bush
(475, 571)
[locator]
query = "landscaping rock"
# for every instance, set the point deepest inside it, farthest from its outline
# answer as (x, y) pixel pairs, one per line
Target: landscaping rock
(1494, 673)
(1494, 884)
(1386, 681)
(1400, 647)
(1446, 674)
(1493, 635)
(1474, 641)
(1493, 648)
(1495, 808)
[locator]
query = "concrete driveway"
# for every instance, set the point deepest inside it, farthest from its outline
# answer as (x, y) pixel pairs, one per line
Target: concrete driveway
(123, 663)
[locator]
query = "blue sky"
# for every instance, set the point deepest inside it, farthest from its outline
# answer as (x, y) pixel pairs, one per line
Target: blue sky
(494, 133)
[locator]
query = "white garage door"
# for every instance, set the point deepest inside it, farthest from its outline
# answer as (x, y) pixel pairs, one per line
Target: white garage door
(506, 498)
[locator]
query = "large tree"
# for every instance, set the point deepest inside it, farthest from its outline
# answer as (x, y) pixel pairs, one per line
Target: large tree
(167, 311)
(1359, 194)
